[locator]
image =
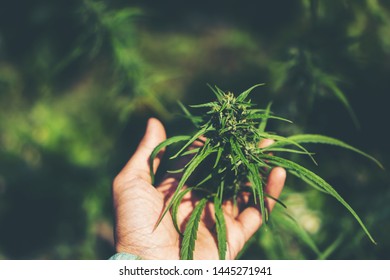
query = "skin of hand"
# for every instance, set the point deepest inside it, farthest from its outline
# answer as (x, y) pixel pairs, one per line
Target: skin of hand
(138, 206)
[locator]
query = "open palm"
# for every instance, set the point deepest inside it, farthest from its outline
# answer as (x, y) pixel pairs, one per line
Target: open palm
(138, 206)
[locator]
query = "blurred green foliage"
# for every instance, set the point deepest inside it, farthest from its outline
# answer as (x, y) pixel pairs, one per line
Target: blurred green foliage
(78, 80)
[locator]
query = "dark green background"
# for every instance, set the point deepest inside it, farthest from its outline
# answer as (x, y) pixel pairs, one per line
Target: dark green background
(78, 80)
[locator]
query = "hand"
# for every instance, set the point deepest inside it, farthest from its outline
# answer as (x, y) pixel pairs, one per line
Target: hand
(138, 206)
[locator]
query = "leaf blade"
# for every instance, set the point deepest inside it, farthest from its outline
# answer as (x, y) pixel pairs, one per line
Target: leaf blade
(257, 185)
(264, 121)
(317, 180)
(162, 145)
(190, 141)
(321, 139)
(221, 228)
(191, 231)
(175, 209)
(245, 94)
(186, 174)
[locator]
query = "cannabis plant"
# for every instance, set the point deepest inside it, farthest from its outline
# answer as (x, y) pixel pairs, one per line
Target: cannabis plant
(230, 130)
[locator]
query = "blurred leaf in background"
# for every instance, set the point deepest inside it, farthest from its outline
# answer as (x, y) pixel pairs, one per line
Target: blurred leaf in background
(78, 80)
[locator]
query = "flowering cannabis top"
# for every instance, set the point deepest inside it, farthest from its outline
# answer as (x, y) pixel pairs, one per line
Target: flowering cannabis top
(230, 130)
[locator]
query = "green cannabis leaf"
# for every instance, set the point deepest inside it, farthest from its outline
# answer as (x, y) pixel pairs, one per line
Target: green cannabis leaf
(190, 234)
(230, 129)
(221, 227)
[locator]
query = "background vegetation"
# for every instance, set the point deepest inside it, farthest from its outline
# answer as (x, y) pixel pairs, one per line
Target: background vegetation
(78, 80)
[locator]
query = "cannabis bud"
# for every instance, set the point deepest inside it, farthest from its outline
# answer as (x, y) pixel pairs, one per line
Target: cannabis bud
(230, 129)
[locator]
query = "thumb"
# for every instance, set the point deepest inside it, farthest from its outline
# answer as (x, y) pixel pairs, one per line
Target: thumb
(138, 165)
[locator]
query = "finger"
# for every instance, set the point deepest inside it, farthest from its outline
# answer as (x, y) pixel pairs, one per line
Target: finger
(275, 184)
(138, 166)
(263, 144)
(266, 142)
(251, 219)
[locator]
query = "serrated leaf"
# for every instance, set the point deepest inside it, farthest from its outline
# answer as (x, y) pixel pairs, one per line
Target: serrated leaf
(257, 184)
(285, 150)
(192, 140)
(191, 231)
(276, 200)
(260, 162)
(217, 93)
(307, 181)
(204, 105)
(201, 150)
(316, 180)
(236, 149)
(194, 119)
(321, 139)
(300, 232)
(162, 145)
(175, 208)
(267, 116)
(264, 121)
(221, 190)
(221, 228)
(196, 160)
(208, 177)
(190, 152)
(220, 91)
(331, 248)
(245, 94)
(342, 98)
(281, 141)
(219, 154)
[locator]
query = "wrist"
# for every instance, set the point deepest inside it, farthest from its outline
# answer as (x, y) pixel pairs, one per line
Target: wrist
(124, 256)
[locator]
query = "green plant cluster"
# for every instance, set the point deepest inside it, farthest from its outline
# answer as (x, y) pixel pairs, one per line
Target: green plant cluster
(78, 79)
(230, 132)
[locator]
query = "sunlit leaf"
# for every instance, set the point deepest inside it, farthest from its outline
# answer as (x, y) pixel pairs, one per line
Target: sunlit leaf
(245, 94)
(191, 231)
(192, 140)
(210, 104)
(175, 207)
(231, 132)
(257, 185)
(186, 174)
(162, 145)
(267, 116)
(216, 92)
(315, 179)
(321, 139)
(220, 227)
